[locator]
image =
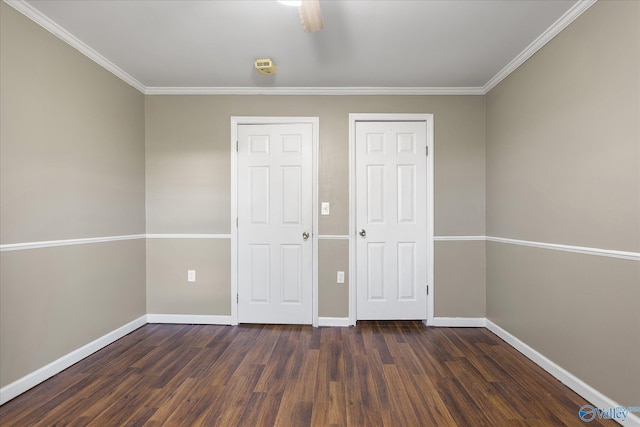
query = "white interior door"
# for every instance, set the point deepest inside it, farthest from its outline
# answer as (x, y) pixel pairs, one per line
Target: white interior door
(275, 208)
(391, 220)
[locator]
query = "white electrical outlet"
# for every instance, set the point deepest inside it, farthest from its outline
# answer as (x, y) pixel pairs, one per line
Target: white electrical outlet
(191, 275)
(324, 208)
(340, 277)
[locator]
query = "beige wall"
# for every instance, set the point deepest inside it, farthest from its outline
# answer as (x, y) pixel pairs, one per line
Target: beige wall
(169, 260)
(188, 142)
(563, 166)
(459, 269)
(72, 141)
(580, 311)
(563, 137)
(188, 157)
(71, 166)
(56, 300)
(333, 298)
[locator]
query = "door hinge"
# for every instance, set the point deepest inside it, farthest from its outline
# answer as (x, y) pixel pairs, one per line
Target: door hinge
(236, 222)
(427, 289)
(427, 149)
(237, 298)
(236, 145)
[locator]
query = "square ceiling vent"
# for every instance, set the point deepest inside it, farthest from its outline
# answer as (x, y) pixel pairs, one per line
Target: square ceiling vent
(265, 66)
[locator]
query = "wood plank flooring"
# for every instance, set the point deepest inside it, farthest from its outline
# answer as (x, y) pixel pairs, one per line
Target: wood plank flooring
(375, 374)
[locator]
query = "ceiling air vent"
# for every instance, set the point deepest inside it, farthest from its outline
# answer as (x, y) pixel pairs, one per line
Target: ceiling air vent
(265, 66)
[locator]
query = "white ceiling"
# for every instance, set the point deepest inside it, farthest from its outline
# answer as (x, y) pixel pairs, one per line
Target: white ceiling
(364, 44)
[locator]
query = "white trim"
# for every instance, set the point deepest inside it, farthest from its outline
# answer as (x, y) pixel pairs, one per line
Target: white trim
(240, 120)
(333, 237)
(45, 22)
(633, 419)
(88, 240)
(66, 242)
(188, 236)
(634, 256)
(315, 160)
(428, 119)
(569, 16)
(352, 221)
(23, 384)
(459, 238)
(51, 26)
(589, 393)
(194, 319)
(459, 322)
(430, 219)
(234, 220)
(314, 91)
(272, 120)
(339, 322)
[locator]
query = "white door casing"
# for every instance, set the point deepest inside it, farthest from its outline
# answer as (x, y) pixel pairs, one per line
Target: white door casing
(275, 225)
(393, 259)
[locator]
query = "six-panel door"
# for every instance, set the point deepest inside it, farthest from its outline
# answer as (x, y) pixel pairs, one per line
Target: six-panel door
(391, 219)
(275, 223)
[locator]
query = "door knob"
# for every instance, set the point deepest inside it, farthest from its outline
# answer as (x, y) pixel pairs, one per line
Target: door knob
(363, 232)
(305, 235)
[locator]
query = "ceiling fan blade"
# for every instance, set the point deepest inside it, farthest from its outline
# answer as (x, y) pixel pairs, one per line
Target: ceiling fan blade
(311, 15)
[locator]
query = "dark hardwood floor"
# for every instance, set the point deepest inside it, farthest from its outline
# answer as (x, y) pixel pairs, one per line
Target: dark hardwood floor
(375, 374)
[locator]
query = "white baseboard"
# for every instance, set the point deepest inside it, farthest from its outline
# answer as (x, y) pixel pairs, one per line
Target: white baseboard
(460, 322)
(23, 384)
(333, 321)
(589, 393)
(195, 319)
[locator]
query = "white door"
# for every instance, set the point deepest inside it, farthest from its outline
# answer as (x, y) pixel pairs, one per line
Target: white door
(275, 210)
(391, 220)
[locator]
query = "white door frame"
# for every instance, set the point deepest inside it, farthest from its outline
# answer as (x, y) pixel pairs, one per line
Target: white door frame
(369, 117)
(241, 120)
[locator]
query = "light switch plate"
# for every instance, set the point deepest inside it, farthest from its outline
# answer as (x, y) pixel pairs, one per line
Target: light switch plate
(191, 275)
(340, 277)
(324, 208)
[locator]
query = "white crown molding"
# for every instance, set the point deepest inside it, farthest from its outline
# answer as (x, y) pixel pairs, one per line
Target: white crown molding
(569, 16)
(23, 384)
(32, 13)
(314, 91)
(55, 29)
(67, 242)
(589, 393)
